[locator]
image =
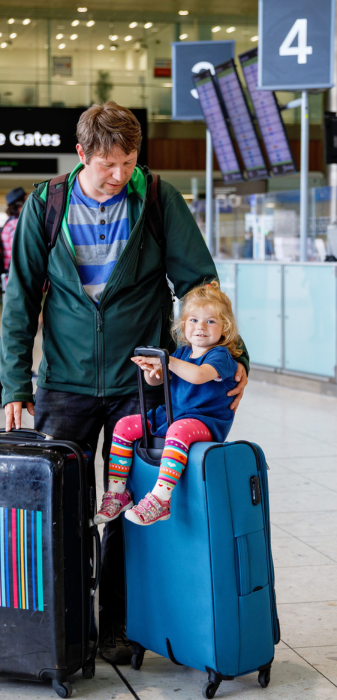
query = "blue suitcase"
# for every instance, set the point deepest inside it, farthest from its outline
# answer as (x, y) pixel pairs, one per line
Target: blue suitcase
(200, 586)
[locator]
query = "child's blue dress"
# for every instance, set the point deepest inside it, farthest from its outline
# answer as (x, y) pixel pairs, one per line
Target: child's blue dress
(207, 402)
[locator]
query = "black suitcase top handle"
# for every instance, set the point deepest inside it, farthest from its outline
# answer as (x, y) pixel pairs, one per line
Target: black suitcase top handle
(152, 351)
(28, 434)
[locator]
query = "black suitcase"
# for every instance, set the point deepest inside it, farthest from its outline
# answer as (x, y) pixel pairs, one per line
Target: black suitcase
(49, 559)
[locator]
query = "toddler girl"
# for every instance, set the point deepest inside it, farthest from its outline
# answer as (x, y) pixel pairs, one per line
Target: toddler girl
(202, 372)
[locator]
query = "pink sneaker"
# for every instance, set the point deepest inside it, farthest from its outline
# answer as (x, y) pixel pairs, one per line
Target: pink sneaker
(149, 510)
(112, 506)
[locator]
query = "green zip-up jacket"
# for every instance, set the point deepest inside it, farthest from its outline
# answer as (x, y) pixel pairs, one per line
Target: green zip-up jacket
(87, 349)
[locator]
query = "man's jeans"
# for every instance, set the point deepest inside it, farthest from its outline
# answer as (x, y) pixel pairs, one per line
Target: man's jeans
(81, 418)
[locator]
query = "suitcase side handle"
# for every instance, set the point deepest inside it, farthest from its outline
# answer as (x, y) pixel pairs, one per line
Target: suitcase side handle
(163, 354)
(95, 581)
(28, 433)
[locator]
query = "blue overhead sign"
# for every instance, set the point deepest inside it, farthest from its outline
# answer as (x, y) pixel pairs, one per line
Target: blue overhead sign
(296, 44)
(190, 58)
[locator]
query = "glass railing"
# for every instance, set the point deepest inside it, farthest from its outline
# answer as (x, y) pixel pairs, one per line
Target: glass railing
(286, 313)
(238, 220)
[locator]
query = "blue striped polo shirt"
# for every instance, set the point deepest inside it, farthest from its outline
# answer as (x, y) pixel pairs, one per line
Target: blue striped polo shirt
(99, 232)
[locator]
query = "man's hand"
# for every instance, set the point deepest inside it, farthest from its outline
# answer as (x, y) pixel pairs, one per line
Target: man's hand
(241, 378)
(13, 413)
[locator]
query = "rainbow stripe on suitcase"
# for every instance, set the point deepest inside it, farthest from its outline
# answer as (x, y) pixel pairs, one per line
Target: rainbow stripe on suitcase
(21, 568)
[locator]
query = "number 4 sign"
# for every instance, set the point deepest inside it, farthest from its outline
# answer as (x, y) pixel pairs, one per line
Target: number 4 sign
(299, 30)
(296, 42)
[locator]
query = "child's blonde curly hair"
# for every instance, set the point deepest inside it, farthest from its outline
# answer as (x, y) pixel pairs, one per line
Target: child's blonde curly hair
(209, 295)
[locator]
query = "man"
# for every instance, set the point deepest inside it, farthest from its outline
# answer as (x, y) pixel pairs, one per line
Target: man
(108, 293)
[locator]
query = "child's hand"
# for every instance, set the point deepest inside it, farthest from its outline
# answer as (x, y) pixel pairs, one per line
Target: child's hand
(152, 365)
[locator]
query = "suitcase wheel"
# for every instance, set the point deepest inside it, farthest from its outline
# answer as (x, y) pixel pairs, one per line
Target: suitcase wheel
(264, 678)
(209, 690)
(137, 660)
(88, 670)
(63, 690)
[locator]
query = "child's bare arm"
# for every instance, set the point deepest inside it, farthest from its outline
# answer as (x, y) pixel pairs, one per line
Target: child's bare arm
(151, 367)
(185, 370)
(192, 373)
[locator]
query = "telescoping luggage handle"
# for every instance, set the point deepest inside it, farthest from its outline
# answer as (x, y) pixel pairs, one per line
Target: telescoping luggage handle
(152, 351)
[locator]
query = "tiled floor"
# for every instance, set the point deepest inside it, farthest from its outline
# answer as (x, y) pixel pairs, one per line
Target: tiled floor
(298, 433)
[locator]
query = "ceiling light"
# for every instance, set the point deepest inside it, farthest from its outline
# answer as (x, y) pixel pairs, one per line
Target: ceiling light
(11, 21)
(100, 47)
(128, 38)
(148, 25)
(82, 9)
(230, 30)
(13, 36)
(90, 23)
(215, 29)
(26, 21)
(167, 84)
(59, 36)
(183, 12)
(133, 25)
(183, 36)
(73, 37)
(62, 46)
(113, 48)
(254, 38)
(3, 45)
(113, 37)
(75, 23)
(71, 82)
(0, 33)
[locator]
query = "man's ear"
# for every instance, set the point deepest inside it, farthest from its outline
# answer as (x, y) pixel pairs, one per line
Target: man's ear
(80, 153)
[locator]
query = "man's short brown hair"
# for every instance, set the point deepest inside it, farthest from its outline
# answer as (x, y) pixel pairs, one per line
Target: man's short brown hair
(101, 127)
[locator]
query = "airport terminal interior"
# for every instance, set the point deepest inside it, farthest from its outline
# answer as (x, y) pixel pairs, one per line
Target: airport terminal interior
(56, 61)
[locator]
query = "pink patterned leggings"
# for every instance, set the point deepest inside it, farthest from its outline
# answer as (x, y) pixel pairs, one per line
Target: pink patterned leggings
(179, 437)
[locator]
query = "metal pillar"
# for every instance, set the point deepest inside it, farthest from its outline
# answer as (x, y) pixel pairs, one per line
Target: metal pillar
(304, 175)
(49, 77)
(209, 192)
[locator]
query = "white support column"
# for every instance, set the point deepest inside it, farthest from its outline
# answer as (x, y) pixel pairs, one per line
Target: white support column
(209, 192)
(332, 102)
(304, 176)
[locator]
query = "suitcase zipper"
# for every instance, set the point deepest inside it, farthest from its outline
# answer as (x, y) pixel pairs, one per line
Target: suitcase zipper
(265, 509)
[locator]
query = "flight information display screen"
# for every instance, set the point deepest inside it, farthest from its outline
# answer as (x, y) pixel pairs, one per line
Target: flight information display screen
(216, 123)
(241, 121)
(268, 117)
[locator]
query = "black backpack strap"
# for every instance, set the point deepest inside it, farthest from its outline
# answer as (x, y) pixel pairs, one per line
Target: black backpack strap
(154, 216)
(57, 190)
